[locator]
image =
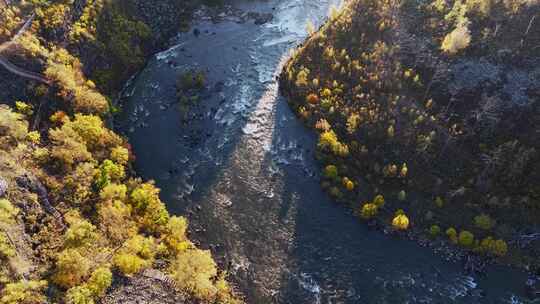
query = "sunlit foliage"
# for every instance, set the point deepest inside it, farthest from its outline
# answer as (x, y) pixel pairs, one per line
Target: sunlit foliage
(400, 222)
(194, 270)
(23, 292)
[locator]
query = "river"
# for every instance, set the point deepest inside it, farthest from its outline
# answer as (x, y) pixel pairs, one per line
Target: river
(242, 171)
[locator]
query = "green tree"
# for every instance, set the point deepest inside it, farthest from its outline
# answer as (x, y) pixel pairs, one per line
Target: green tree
(153, 215)
(79, 295)
(23, 292)
(175, 238)
(369, 210)
(100, 281)
(129, 264)
(71, 268)
(193, 270)
(466, 238)
(484, 222)
(434, 230)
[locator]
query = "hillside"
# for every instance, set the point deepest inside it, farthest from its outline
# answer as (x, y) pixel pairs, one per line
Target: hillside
(427, 115)
(76, 224)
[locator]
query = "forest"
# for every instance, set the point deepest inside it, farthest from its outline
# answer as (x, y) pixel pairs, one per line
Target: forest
(419, 128)
(74, 217)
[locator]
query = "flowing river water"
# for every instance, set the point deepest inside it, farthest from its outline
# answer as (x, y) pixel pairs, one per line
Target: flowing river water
(242, 170)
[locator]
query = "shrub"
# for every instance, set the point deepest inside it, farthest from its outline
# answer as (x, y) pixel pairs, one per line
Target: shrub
(326, 93)
(6, 249)
(68, 148)
(353, 121)
(404, 170)
(466, 238)
(120, 155)
(439, 202)
(193, 271)
(100, 281)
(390, 131)
(312, 98)
(402, 195)
(484, 222)
(369, 210)
(348, 184)
(400, 222)
(13, 126)
(33, 137)
(191, 80)
(80, 233)
(74, 88)
(23, 292)
(78, 184)
(379, 201)
(115, 221)
(500, 248)
(331, 172)
(452, 235)
(328, 141)
(176, 234)
(71, 268)
(7, 211)
(434, 230)
(93, 132)
(59, 117)
(335, 192)
(79, 295)
(24, 108)
(109, 172)
(145, 247)
(129, 264)
(457, 40)
(302, 78)
(153, 215)
(224, 292)
(494, 247)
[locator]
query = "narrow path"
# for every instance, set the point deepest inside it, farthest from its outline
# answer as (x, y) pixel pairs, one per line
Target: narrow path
(23, 73)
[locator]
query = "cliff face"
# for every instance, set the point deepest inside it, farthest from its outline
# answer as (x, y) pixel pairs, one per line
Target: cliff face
(434, 106)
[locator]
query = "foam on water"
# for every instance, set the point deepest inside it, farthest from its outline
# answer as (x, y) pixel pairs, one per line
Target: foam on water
(309, 284)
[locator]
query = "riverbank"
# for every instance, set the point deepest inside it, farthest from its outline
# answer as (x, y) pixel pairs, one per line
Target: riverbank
(425, 126)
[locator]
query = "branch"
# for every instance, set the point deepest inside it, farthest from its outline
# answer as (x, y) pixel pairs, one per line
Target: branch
(528, 29)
